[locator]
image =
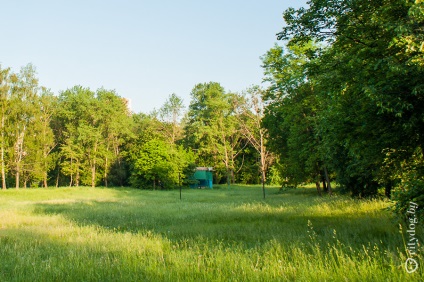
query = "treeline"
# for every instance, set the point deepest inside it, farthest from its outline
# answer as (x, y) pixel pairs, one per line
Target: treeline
(71, 139)
(85, 137)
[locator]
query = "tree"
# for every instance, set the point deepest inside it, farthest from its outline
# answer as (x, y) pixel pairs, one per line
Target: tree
(26, 135)
(369, 75)
(250, 109)
(115, 128)
(211, 128)
(153, 160)
(81, 137)
(5, 81)
(291, 115)
(93, 127)
(48, 107)
(23, 109)
(170, 114)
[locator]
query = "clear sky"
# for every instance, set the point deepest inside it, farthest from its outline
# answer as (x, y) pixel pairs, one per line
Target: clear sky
(145, 50)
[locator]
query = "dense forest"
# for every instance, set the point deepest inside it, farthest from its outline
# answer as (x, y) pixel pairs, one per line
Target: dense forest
(342, 102)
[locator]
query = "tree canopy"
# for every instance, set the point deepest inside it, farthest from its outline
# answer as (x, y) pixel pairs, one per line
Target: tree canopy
(364, 85)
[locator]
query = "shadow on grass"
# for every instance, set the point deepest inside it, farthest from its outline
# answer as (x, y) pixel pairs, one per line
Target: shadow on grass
(290, 220)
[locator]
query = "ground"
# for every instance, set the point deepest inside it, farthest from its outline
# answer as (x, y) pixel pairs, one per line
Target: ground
(224, 234)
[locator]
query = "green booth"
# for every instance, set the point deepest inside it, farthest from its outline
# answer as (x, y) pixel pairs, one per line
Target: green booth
(203, 177)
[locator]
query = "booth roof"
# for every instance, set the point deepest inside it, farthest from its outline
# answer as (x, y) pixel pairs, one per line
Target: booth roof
(204, 168)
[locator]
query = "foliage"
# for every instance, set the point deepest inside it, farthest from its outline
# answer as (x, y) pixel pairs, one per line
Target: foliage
(250, 111)
(153, 160)
(26, 136)
(409, 180)
(158, 164)
(170, 114)
(92, 127)
(367, 75)
(275, 177)
(211, 129)
(293, 102)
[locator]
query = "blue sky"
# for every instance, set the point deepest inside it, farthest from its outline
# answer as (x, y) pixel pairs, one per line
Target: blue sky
(145, 50)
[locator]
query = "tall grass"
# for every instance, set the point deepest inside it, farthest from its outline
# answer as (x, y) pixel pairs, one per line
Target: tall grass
(86, 234)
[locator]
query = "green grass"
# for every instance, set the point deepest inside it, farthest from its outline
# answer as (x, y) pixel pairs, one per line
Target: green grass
(86, 234)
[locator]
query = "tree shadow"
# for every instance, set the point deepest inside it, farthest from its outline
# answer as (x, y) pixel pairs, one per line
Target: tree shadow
(248, 225)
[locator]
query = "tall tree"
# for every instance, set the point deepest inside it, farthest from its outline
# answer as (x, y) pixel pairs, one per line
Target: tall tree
(211, 128)
(5, 81)
(153, 160)
(250, 109)
(79, 148)
(291, 115)
(48, 107)
(23, 108)
(115, 128)
(170, 114)
(369, 73)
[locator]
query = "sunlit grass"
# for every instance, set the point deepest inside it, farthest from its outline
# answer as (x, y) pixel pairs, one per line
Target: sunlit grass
(225, 234)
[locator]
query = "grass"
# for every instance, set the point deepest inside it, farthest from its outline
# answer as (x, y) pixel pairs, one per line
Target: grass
(120, 234)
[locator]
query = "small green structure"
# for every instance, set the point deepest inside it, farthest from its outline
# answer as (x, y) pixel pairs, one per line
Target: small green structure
(203, 177)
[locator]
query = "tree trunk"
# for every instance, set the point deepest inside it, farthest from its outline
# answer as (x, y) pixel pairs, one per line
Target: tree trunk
(388, 189)
(93, 167)
(263, 160)
(105, 174)
(45, 180)
(3, 171)
(17, 177)
(327, 178)
(93, 175)
(77, 176)
(324, 184)
(72, 174)
(57, 177)
(263, 182)
(318, 185)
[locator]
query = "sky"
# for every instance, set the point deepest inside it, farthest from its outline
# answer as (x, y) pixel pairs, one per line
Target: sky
(144, 50)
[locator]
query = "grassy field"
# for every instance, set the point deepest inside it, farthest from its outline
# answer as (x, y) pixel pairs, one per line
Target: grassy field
(105, 234)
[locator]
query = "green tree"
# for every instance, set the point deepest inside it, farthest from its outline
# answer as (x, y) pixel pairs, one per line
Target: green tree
(369, 74)
(250, 109)
(23, 109)
(48, 107)
(115, 125)
(170, 114)
(153, 160)
(93, 127)
(5, 81)
(211, 128)
(79, 120)
(40, 141)
(291, 115)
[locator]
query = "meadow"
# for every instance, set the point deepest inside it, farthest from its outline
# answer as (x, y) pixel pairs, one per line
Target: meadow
(224, 234)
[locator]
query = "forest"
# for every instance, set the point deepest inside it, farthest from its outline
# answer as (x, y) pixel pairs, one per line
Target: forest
(342, 103)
